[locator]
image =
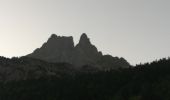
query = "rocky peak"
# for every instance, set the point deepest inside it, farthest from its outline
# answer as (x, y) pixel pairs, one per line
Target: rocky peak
(85, 52)
(56, 49)
(62, 41)
(84, 40)
(85, 45)
(62, 49)
(53, 36)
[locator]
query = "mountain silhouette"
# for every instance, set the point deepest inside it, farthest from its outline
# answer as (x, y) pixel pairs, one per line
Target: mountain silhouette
(61, 49)
(60, 70)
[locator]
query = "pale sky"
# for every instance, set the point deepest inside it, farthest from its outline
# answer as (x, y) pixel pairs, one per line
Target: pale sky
(138, 30)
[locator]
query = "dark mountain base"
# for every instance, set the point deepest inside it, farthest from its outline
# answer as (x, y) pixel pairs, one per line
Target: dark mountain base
(143, 82)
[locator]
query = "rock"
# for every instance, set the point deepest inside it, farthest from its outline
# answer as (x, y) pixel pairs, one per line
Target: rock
(56, 49)
(85, 52)
(84, 40)
(61, 49)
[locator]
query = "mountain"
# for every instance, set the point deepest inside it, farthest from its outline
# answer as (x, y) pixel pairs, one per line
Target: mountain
(62, 71)
(59, 57)
(61, 49)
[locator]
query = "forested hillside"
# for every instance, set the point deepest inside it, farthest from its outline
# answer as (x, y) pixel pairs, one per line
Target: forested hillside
(142, 82)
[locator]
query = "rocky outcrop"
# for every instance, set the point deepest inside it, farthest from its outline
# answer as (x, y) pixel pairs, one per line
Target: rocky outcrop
(85, 53)
(62, 49)
(56, 49)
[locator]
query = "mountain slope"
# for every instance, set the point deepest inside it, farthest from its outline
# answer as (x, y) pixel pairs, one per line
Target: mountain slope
(143, 82)
(25, 68)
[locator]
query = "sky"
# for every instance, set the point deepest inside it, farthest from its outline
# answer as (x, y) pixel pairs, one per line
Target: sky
(138, 30)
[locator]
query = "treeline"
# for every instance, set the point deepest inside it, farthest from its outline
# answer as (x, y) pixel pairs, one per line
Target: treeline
(150, 81)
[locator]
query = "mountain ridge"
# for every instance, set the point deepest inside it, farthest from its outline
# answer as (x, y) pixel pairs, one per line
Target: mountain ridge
(62, 49)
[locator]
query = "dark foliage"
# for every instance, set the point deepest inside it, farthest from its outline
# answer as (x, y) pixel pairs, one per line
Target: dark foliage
(149, 81)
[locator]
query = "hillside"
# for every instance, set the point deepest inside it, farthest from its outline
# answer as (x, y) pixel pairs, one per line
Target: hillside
(143, 82)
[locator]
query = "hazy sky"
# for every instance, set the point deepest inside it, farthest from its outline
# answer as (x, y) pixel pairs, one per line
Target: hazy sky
(138, 30)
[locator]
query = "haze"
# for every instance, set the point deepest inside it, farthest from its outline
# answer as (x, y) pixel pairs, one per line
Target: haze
(138, 30)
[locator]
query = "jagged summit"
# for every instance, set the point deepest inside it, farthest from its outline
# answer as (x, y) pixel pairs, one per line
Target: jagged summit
(56, 49)
(53, 36)
(61, 49)
(84, 39)
(56, 38)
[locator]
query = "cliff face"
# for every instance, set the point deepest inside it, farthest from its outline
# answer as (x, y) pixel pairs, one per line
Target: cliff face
(62, 49)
